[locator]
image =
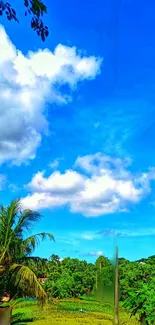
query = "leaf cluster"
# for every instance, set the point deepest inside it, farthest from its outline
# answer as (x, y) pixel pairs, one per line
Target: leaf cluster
(35, 8)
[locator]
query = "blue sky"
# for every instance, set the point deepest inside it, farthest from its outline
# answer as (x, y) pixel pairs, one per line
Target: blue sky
(77, 126)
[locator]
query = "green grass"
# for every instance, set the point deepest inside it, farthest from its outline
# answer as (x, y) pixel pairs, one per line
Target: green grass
(68, 312)
(87, 306)
(87, 298)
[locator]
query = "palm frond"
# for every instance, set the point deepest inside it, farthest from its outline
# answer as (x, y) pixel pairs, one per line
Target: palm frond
(31, 242)
(13, 249)
(12, 211)
(26, 221)
(7, 220)
(24, 276)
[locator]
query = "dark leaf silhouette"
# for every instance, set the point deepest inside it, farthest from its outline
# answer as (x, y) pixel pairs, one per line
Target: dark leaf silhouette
(36, 8)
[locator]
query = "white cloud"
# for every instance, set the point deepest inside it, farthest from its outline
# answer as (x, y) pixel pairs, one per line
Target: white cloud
(88, 236)
(43, 201)
(27, 84)
(108, 187)
(93, 253)
(55, 163)
(99, 253)
(98, 163)
(68, 182)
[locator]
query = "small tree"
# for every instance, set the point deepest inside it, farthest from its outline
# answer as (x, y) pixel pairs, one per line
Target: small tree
(141, 302)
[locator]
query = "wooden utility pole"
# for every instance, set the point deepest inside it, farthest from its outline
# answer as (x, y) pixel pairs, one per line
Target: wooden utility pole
(116, 290)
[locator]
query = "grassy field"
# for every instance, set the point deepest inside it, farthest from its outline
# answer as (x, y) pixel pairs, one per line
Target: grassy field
(69, 312)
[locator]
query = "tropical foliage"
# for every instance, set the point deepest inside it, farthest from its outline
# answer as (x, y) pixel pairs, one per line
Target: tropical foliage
(68, 278)
(141, 301)
(137, 284)
(74, 278)
(16, 248)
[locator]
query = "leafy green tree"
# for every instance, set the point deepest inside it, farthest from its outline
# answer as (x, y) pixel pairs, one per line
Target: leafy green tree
(14, 247)
(71, 265)
(83, 274)
(89, 276)
(141, 302)
(55, 259)
(80, 277)
(102, 261)
(35, 8)
(104, 291)
(131, 274)
(54, 268)
(79, 285)
(63, 286)
(104, 271)
(123, 261)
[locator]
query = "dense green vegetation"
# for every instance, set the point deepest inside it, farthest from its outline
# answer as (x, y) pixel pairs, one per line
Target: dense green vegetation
(15, 248)
(90, 287)
(72, 278)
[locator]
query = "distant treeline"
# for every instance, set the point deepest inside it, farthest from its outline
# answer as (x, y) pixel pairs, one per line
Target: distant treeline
(72, 277)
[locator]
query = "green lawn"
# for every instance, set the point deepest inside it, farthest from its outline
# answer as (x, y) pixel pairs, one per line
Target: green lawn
(71, 312)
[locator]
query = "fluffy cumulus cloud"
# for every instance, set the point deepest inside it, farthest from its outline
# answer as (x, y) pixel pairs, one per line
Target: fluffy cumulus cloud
(28, 84)
(96, 186)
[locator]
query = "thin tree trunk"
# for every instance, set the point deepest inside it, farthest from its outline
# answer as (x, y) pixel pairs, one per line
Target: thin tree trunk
(96, 280)
(116, 290)
(100, 267)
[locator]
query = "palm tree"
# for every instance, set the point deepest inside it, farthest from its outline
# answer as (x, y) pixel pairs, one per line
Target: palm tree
(15, 222)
